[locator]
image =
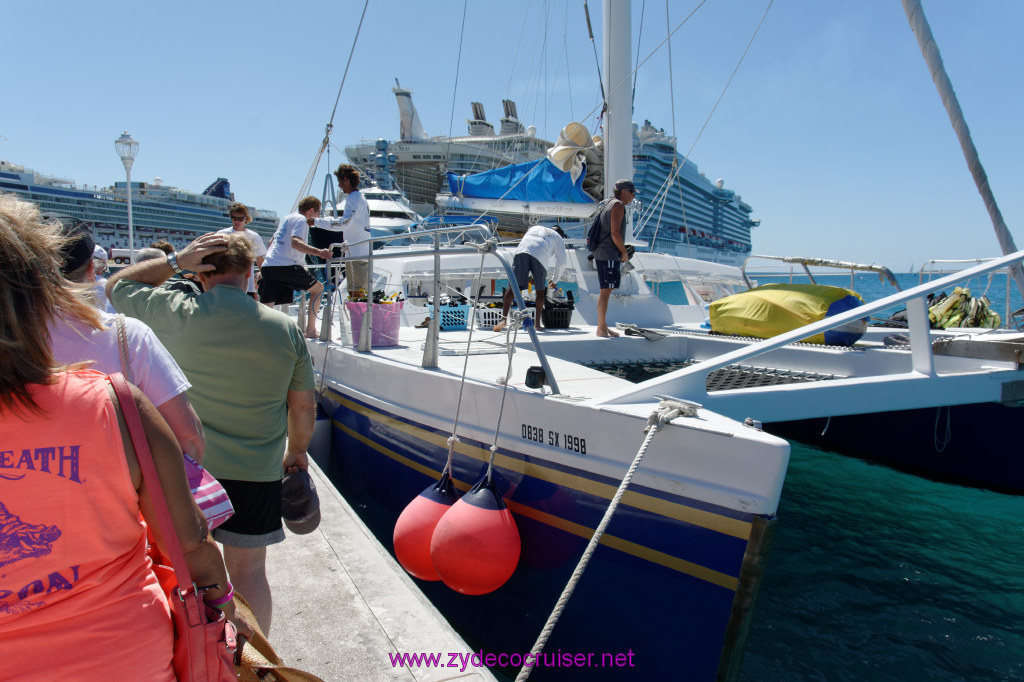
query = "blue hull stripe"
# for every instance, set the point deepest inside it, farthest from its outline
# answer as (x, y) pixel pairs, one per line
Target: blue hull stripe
(705, 519)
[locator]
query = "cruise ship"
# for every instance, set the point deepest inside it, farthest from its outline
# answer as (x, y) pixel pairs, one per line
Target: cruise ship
(420, 161)
(694, 217)
(159, 212)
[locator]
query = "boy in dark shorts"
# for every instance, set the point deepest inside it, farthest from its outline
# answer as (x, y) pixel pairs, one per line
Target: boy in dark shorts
(284, 270)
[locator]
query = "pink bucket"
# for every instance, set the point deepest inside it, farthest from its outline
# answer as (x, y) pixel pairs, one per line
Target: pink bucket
(386, 320)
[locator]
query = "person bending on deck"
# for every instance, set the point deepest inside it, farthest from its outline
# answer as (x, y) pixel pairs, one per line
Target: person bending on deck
(540, 245)
(611, 250)
(247, 363)
(284, 270)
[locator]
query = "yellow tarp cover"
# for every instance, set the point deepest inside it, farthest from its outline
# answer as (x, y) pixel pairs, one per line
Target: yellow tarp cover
(773, 309)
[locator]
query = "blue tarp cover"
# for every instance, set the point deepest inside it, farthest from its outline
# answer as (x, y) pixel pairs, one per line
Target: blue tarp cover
(543, 182)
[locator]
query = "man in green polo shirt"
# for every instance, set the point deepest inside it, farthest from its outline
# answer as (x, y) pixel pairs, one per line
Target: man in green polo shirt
(246, 363)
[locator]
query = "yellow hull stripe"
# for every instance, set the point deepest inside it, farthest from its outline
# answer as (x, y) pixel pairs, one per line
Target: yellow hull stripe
(716, 522)
(714, 577)
(661, 558)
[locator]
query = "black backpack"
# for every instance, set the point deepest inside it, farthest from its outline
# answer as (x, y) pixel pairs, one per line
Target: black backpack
(594, 233)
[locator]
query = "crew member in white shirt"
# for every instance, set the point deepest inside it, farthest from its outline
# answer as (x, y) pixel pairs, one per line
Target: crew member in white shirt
(538, 247)
(284, 271)
(355, 221)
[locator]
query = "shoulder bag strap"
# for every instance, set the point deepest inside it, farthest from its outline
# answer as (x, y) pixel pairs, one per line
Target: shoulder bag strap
(152, 479)
(122, 345)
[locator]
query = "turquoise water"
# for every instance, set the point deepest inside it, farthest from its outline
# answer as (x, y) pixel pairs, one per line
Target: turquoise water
(880, 575)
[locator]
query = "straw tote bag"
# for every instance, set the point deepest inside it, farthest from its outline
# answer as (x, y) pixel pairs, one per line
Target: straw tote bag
(204, 640)
(258, 660)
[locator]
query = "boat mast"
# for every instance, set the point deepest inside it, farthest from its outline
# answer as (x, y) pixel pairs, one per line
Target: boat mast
(926, 41)
(618, 86)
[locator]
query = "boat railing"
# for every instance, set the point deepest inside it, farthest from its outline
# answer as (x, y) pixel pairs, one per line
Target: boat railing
(430, 349)
(808, 263)
(690, 382)
(933, 268)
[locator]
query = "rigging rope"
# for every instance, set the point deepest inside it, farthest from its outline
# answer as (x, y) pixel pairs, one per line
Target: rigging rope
(565, 51)
(639, 37)
(454, 438)
(515, 56)
(600, 78)
(721, 96)
(666, 412)
(729, 82)
(675, 158)
(515, 321)
(458, 67)
(330, 123)
(646, 59)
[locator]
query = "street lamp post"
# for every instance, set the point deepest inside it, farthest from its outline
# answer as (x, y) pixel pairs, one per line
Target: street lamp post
(127, 148)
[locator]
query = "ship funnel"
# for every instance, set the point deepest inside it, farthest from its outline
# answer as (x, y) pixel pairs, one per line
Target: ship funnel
(409, 124)
(510, 124)
(478, 125)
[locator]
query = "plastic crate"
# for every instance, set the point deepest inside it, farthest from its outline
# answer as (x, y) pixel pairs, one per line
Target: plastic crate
(486, 318)
(453, 317)
(556, 318)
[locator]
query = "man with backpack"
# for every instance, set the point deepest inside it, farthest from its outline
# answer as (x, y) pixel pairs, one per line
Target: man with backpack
(610, 249)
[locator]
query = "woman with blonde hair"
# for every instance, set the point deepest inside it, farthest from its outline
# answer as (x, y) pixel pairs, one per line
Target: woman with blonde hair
(78, 596)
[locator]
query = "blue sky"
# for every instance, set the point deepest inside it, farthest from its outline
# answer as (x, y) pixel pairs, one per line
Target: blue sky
(832, 129)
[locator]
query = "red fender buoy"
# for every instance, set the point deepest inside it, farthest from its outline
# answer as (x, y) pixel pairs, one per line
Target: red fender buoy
(475, 547)
(415, 527)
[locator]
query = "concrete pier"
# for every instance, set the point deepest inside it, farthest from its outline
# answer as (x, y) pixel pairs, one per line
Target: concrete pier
(342, 604)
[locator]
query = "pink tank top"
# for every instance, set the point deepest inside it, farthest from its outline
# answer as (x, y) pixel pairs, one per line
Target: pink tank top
(78, 598)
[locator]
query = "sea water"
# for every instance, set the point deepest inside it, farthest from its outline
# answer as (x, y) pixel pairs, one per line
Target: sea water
(877, 574)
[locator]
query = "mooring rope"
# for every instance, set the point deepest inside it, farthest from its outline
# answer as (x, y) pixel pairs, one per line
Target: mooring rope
(515, 321)
(666, 412)
(454, 438)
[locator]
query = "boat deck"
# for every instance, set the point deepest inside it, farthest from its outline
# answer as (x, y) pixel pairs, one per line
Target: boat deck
(488, 355)
(343, 606)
